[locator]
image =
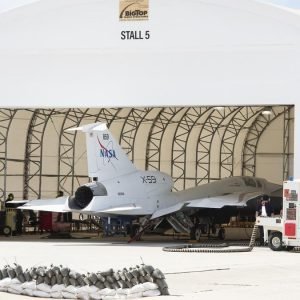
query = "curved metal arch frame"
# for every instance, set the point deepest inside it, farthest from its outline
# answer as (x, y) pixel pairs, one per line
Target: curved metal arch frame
(180, 141)
(252, 139)
(34, 150)
(232, 130)
(211, 126)
(150, 154)
(108, 114)
(155, 137)
(286, 143)
(6, 118)
(130, 128)
(66, 150)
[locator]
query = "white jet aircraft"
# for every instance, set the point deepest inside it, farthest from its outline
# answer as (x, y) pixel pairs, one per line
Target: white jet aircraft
(117, 188)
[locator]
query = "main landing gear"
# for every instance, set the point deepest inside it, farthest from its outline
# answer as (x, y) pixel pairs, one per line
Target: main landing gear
(206, 230)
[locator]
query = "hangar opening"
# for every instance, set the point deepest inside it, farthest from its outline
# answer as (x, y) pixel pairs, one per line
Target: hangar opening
(194, 145)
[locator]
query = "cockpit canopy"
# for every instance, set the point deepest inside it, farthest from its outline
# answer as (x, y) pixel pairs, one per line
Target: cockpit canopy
(253, 182)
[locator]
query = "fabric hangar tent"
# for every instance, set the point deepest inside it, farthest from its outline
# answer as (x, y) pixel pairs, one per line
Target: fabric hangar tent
(71, 53)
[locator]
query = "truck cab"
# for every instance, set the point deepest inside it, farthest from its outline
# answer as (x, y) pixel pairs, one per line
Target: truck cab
(284, 231)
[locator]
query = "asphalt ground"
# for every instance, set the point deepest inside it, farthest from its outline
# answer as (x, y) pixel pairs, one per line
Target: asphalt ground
(260, 274)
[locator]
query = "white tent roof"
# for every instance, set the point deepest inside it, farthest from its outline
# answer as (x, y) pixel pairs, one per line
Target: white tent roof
(210, 52)
(70, 53)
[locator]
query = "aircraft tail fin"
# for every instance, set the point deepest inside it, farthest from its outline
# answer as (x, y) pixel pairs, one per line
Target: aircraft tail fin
(106, 158)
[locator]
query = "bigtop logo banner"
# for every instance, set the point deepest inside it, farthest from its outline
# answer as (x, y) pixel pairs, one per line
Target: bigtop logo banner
(134, 10)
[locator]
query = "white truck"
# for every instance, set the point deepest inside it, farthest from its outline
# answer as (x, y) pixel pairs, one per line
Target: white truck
(284, 231)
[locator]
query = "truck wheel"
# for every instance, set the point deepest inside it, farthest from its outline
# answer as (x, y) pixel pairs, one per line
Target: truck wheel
(275, 241)
(6, 230)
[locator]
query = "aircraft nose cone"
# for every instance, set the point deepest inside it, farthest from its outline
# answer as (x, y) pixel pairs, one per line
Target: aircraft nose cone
(272, 188)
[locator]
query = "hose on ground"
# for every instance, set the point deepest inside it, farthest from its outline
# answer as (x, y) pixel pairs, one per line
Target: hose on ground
(214, 248)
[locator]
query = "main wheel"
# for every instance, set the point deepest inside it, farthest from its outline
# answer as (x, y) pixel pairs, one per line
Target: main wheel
(275, 241)
(6, 230)
(192, 233)
(221, 234)
(198, 233)
(134, 231)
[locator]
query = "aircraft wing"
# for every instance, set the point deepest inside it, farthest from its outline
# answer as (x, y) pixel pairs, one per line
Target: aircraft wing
(54, 205)
(62, 205)
(17, 202)
(234, 199)
(120, 210)
(168, 210)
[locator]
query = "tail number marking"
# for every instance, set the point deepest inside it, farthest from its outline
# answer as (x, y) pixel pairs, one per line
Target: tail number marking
(148, 179)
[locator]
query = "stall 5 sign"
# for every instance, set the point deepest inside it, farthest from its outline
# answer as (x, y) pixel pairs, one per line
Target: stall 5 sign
(135, 35)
